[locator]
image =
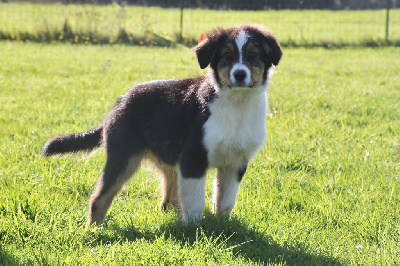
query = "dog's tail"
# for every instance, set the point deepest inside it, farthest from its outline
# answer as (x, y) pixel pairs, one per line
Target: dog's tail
(74, 142)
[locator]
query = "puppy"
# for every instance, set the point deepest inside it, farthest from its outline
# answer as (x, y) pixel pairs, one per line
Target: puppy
(188, 126)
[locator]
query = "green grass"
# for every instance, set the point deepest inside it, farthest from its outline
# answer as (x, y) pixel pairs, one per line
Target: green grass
(324, 190)
(103, 23)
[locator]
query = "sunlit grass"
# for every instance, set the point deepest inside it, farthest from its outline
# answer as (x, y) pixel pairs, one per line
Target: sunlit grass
(323, 190)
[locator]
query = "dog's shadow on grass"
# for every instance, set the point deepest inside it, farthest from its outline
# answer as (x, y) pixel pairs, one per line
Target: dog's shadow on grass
(233, 234)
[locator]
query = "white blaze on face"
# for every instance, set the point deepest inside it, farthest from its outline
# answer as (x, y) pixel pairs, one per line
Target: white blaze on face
(240, 68)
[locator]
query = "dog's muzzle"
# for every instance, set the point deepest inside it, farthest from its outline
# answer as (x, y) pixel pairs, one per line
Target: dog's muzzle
(240, 75)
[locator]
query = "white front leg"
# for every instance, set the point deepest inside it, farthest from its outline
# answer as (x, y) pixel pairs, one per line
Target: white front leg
(191, 193)
(226, 188)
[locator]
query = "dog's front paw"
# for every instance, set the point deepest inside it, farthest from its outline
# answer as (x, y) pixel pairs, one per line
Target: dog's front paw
(193, 217)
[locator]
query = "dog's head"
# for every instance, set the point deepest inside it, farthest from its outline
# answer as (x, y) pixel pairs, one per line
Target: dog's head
(239, 57)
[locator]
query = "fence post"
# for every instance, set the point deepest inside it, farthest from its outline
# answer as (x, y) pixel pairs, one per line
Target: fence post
(181, 22)
(387, 20)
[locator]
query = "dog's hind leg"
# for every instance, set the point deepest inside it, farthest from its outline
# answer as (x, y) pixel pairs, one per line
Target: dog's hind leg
(116, 172)
(169, 182)
(169, 186)
(124, 154)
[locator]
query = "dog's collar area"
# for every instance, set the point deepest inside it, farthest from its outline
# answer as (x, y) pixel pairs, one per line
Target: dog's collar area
(247, 89)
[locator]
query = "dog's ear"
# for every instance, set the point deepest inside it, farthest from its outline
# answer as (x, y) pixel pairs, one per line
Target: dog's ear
(274, 49)
(204, 52)
(206, 49)
(269, 43)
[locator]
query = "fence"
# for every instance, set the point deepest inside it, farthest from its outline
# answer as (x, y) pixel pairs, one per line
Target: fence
(114, 23)
(297, 5)
(255, 4)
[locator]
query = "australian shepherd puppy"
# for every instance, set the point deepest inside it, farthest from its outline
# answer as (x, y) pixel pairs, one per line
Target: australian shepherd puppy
(188, 126)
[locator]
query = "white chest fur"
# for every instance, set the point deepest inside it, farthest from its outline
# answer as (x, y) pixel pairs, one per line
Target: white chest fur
(235, 129)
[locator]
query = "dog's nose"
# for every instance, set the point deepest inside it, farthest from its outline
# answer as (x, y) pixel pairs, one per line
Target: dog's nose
(239, 75)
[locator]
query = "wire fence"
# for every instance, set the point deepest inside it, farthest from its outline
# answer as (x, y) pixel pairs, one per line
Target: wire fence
(143, 25)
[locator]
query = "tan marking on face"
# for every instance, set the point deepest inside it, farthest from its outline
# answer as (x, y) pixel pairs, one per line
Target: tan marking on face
(228, 59)
(252, 59)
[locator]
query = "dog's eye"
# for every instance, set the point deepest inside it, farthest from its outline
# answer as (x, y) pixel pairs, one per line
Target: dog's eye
(252, 55)
(227, 54)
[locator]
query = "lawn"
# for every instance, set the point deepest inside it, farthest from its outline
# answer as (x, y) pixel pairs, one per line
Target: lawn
(324, 190)
(301, 27)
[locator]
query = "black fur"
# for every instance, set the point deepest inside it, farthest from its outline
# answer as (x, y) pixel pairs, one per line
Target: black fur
(87, 140)
(163, 117)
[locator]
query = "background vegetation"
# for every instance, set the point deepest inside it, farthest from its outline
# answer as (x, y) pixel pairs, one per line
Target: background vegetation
(244, 5)
(156, 26)
(324, 190)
